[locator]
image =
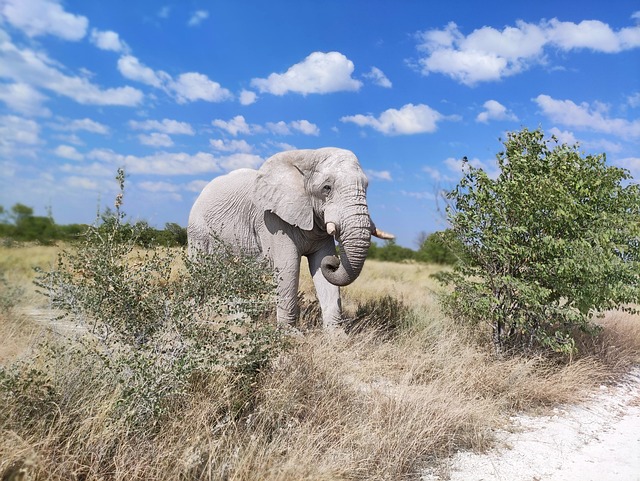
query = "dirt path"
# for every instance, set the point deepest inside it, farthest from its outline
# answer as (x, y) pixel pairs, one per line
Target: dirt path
(596, 441)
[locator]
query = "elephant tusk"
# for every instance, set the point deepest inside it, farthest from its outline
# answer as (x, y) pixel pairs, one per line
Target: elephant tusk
(331, 228)
(382, 234)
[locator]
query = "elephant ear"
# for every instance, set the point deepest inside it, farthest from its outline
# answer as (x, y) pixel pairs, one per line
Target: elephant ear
(280, 188)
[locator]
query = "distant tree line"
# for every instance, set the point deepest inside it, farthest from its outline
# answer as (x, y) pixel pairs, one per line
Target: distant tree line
(19, 224)
(436, 248)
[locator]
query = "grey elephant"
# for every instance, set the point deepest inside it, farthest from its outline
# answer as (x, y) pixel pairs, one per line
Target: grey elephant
(295, 205)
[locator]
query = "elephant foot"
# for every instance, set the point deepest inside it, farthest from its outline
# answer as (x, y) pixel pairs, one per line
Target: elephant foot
(289, 330)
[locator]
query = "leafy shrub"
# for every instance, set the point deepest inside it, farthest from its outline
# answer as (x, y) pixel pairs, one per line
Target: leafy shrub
(440, 248)
(549, 243)
(154, 321)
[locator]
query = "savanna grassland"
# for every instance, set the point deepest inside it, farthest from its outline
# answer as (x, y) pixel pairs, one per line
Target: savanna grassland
(405, 387)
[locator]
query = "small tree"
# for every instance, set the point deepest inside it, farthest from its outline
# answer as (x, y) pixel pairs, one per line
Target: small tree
(552, 241)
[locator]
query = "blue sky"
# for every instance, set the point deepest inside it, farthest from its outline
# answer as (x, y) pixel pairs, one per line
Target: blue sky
(180, 92)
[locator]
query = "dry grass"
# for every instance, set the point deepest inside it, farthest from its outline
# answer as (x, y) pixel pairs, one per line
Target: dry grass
(332, 407)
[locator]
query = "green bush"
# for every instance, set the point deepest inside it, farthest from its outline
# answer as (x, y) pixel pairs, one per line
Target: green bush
(549, 243)
(152, 323)
(440, 248)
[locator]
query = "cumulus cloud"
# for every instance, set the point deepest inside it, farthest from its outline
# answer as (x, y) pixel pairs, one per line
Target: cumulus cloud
(23, 65)
(188, 87)
(494, 110)
(197, 18)
(166, 126)
(24, 99)
(586, 117)
(44, 17)
(489, 54)
(231, 145)
(155, 139)
(193, 86)
(108, 40)
(378, 77)
(319, 73)
(247, 97)
(409, 119)
(305, 127)
(68, 152)
(176, 163)
(235, 126)
(131, 68)
(283, 128)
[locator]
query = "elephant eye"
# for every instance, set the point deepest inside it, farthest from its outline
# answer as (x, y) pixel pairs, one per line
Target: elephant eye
(326, 190)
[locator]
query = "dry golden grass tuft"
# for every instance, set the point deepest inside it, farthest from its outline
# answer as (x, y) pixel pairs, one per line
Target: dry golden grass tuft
(332, 407)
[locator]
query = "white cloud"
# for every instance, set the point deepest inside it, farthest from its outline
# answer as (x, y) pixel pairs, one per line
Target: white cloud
(378, 78)
(435, 174)
(81, 183)
(241, 161)
(131, 68)
(319, 73)
(37, 70)
(247, 97)
(158, 186)
(231, 145)
(280, 128)
(634, 99)
(494, 110)
(194, 86)
(283, 128)
(488, 54)
(85, 124)
(44, 17)
(632, 164)
(188, 87)
(198, 17)
(235, 126)
(305, 127)
(410, 119)
(176, 163)
(108, 40)
(68, 152)
(16, 130)
(24, 99)
(379, 175)
(18, 136)
(166, 126)
(196, 185)
(155, 139)
(563, 136)
(586, 117)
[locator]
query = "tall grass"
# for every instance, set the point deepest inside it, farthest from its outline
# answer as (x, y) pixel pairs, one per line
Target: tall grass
(357, 406)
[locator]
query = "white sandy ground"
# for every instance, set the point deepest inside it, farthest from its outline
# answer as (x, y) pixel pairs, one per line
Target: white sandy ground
(595, 441)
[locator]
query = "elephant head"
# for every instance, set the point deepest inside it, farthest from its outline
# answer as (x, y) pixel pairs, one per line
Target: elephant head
(324, 190)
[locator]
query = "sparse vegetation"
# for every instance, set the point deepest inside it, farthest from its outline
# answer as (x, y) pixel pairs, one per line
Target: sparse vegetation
(164, 368)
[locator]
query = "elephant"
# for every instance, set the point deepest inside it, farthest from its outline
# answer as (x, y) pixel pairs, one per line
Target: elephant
(298, 203)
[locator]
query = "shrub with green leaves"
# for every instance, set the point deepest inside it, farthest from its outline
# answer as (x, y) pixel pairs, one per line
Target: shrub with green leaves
(153, 321)
(549, 243)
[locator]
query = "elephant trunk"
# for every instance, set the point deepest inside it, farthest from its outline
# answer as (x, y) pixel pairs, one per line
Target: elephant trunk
(354, 237)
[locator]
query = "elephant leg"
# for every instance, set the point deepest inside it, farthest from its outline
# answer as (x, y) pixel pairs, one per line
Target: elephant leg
(286, 262)
(327, 293)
